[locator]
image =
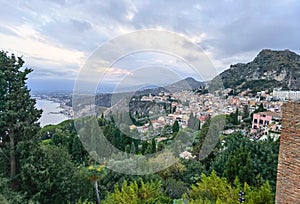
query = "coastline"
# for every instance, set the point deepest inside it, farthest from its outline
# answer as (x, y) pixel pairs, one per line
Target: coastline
(53, 111)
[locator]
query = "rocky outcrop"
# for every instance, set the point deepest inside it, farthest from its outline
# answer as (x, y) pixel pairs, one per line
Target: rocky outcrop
(268, 70)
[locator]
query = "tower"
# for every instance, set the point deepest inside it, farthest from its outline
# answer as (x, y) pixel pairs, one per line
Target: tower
(288, 172)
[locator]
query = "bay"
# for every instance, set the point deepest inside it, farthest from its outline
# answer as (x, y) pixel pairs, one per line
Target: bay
(50, 115)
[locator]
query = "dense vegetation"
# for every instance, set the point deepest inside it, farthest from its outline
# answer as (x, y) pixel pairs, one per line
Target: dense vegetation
(50, 165)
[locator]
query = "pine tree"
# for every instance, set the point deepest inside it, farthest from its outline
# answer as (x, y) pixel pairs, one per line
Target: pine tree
(18, 114)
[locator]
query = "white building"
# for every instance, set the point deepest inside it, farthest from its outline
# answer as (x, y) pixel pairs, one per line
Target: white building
(286, 95)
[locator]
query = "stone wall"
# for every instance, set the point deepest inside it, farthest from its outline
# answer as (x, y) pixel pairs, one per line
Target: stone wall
(288, 173)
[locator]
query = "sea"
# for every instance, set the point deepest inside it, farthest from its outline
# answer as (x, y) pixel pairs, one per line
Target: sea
(50, 115)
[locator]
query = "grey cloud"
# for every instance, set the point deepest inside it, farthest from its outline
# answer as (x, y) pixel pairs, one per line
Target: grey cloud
(76, 34)
(234, 30)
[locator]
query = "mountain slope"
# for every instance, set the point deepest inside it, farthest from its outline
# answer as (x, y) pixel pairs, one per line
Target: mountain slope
(189, 83)
(269, 69)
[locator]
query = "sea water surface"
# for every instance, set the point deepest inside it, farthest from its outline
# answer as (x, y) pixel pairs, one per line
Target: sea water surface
(50, 115)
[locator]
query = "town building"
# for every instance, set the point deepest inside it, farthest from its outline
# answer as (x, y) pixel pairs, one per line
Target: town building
(286, 95)
(263, 119)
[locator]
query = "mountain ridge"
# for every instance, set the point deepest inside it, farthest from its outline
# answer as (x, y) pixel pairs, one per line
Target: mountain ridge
(189, 83)
(268, 70)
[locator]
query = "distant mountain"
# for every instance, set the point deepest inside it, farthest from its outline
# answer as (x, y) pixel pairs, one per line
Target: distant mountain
(185, 84)
(269, 69)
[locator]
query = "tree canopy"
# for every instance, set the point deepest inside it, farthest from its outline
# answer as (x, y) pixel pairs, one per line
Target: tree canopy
(18, 114)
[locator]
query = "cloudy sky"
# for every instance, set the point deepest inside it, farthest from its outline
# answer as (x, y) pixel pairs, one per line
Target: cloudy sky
(56, 37)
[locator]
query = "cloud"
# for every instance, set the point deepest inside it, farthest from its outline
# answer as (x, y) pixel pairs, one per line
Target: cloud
(57, 36)
(73, 33)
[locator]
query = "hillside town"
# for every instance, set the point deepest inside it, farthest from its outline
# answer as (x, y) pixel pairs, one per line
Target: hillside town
(202, 106)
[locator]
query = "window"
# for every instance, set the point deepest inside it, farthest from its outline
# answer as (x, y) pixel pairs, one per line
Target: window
(255, 120)
(261, 122)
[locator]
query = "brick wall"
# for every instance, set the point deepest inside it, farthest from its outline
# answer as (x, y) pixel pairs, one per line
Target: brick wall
(288, 173)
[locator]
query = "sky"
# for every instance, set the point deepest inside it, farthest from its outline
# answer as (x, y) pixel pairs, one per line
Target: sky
(56, 38)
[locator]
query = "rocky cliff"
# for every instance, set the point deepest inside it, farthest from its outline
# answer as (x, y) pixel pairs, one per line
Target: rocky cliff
(269, 69)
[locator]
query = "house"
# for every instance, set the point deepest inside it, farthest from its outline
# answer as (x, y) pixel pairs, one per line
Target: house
(264, 119)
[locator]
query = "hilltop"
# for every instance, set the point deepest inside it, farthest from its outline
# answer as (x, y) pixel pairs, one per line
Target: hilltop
(188, 83)
(268, 70)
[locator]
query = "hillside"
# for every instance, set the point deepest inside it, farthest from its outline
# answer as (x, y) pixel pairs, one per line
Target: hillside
(189, 83)
(268, 70)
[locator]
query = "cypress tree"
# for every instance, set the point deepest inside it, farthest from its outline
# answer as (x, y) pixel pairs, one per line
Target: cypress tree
(153, 146)
(18, 114)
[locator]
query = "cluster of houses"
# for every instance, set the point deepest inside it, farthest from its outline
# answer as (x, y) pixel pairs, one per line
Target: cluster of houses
(203, 106)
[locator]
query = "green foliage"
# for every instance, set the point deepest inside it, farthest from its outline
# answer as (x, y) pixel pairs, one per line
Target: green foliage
(18, 114)
(7, 195)
(137, 193)
(112, 178)
(240, 165)
(95, 172)
(81, 201)
(173, 171)
(153, 146)
(119, 139)
(174, 188)
(233, 118)
(64, 134)
(260, 85)
(246, 111)
(209, 140)
(192, 172)
(55, 170)
(175, 127)
(48, 175)
(261, 157)
(213, 189)
(201, 137)
(3, 200)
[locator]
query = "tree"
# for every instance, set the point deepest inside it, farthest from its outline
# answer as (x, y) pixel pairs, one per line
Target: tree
(153, 146)
(138, 192)
(96, 172)
(233, 156)
(261, 108)
(240, 165)
(175, 127)
(18, 114)
(214, 189)
(48, 175)
(234, 117)
(174, 109)
(145, 145)
(246, 111)
(174, 188)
